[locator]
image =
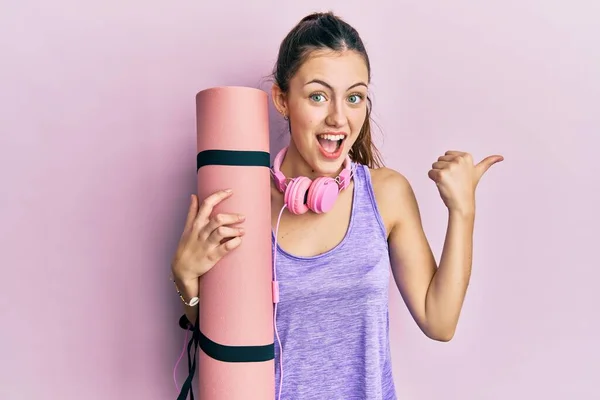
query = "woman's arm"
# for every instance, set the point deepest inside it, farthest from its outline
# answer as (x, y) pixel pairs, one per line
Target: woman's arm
(206, 238)
(434, 294)
(188, 290)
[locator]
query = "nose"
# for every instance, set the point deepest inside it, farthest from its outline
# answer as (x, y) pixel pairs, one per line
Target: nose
(336, 116)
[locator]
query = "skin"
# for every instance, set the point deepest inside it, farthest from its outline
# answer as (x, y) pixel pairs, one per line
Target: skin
(328, 93)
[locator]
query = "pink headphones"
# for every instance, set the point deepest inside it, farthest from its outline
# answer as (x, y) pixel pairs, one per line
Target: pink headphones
(302, 194)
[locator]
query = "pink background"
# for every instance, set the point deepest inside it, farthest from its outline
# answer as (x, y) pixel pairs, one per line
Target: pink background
(98, 161)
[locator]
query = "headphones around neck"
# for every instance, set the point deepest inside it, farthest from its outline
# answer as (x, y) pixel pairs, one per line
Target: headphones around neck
(302, 194)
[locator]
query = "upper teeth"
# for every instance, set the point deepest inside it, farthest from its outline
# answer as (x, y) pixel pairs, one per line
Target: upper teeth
(332, 137)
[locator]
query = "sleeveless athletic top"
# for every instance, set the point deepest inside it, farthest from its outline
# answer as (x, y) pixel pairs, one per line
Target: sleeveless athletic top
(332, 317)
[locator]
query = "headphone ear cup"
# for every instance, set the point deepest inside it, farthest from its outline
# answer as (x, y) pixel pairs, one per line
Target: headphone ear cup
(296, 194)
(322, 194)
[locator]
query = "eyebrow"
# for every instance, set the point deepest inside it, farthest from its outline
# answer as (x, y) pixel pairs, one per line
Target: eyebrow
(329, 86)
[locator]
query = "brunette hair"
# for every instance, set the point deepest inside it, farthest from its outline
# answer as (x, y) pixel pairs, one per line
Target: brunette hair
(318, 31)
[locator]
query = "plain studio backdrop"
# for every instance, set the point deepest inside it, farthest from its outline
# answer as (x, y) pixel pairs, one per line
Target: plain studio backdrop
(98, 144)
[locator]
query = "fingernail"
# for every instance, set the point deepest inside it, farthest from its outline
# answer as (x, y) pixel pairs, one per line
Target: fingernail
(241, 230)
(228, 190)
(241, 217)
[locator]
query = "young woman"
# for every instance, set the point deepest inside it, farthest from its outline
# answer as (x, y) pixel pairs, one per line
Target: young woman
(333, 317)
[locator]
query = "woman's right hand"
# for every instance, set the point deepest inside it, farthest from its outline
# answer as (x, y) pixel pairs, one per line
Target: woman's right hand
(206, 238)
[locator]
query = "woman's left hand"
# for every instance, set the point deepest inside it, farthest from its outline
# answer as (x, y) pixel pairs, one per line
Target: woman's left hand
(456, 177)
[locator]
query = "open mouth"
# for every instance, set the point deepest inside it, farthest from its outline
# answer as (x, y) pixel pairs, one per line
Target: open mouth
(331, 144)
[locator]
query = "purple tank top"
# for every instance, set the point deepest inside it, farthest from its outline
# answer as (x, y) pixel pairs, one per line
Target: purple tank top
(332, 317)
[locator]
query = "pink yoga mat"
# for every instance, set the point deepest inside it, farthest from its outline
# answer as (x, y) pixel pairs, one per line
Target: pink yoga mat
(236, 302)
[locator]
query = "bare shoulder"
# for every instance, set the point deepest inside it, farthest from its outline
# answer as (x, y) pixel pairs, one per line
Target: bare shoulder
(394, 195)
(385, 176)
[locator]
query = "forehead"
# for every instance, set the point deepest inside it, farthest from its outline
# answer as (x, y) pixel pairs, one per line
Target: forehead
(339, 69)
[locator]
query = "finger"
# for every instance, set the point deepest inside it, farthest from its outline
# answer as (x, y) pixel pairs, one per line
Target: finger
(219, 220)
(225, 248)
(447, 158)
(209, 203)
(455, 153)
(440, 164)
(224, 233)
(435, 175)
(486, 163)
(192, 212)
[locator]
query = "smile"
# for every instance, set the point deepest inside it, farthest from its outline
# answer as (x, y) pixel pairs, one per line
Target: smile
(331, 144)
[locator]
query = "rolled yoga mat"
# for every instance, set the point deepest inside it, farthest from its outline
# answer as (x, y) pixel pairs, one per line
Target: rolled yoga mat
(236, 361)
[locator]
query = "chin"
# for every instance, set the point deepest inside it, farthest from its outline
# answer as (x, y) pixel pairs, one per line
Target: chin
(321, 168)
(329, 163)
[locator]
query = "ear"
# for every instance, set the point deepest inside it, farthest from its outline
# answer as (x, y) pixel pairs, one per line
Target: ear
(279, 100)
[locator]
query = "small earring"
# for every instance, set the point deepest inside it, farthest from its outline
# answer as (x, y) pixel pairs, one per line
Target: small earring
(285, 117)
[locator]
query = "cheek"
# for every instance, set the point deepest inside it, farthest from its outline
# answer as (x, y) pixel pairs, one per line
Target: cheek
(357, 120)
(307, 119)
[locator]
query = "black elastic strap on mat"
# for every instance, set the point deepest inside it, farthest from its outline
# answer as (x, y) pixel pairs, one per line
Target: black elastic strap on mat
(234, 354)
(242, 158)
(218, 352)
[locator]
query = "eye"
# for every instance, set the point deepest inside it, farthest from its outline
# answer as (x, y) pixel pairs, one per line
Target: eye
(355, 98)
(318, 97)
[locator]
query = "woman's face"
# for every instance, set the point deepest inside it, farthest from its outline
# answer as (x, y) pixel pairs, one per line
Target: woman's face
(327, 106)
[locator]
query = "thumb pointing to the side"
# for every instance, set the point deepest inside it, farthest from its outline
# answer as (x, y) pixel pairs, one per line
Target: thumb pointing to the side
(486, 163)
